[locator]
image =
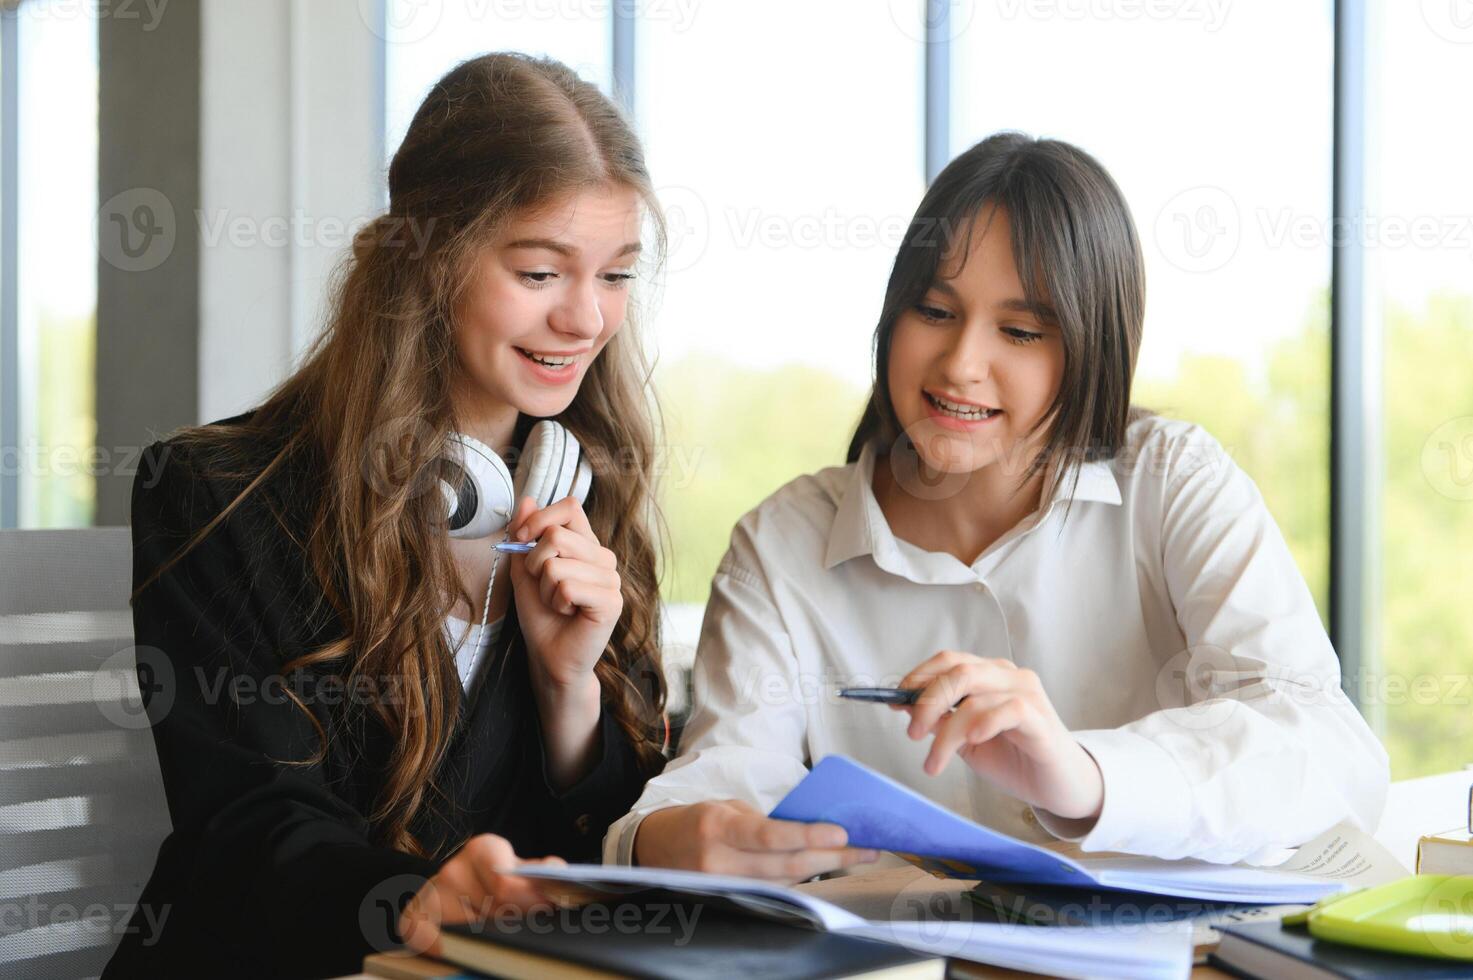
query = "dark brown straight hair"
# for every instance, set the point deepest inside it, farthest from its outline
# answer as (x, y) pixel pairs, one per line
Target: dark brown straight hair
(370, 412)
(1077, 252)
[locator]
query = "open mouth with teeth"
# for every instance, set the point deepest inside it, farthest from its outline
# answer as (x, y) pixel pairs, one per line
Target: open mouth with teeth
(957, 410)
(551, 362)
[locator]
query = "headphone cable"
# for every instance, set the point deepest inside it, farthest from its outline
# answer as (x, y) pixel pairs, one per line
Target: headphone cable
(486, 605)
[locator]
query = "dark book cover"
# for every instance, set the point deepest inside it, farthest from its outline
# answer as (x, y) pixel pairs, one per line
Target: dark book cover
(1334, 959)
(662, 935)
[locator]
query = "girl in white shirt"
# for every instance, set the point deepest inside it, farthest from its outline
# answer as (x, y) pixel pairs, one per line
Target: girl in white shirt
(1143, 666)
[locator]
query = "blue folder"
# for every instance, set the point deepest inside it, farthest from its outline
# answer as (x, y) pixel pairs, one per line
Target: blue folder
(877, 812)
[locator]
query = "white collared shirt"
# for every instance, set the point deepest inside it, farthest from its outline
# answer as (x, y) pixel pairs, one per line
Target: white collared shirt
(1166, 619)
(460, 634)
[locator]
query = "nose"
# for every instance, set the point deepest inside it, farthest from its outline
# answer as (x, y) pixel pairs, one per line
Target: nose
(968, 359)
(579, 314)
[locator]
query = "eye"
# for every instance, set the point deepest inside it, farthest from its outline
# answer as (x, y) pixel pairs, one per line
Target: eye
(536, 279)
(619, 280)
(1018, 335)
(932, 314)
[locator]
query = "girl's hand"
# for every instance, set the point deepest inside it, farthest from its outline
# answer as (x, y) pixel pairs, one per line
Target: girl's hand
(567, 593)
(732, 837)
(1006, 730)
(473, 886)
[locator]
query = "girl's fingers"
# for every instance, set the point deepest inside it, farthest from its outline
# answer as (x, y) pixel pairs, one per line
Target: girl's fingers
(597, 603)
(566, 512)
(798, 865)
(492, 859)
(484, 856)
(566, 583)
(938, 696)
(419, 924)
(938, 663)
(755, 832)
(965, 679)
(560, 542)
(972, 728)
(559, 570)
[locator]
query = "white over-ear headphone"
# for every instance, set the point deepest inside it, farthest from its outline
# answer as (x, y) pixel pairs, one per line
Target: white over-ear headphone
(481, 495)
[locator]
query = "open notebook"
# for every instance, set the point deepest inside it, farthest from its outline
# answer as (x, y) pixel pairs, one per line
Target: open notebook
(882, 814)
(1157, 950)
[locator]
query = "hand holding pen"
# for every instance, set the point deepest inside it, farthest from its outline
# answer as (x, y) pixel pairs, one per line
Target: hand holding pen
(998, 718)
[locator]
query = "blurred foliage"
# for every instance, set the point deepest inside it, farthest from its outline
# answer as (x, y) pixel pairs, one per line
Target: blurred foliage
(735, 435)
(1427, 539)
(747, 432)
(59, 475)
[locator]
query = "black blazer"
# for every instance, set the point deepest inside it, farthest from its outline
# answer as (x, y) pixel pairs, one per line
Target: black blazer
(270, 869)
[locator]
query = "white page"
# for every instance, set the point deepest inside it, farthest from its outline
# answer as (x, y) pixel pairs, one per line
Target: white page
(1341, 858)
(1157, 951)
(1348, 855)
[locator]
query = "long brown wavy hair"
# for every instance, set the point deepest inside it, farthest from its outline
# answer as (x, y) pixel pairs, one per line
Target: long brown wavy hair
(370, 408)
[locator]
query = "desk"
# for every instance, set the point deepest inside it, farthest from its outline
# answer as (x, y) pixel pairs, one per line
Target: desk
(1414, 807)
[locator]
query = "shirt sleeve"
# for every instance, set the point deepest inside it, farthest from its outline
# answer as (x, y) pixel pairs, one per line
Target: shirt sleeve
(272, 866)
(747, 734)
(1256, 747)
(573, 821)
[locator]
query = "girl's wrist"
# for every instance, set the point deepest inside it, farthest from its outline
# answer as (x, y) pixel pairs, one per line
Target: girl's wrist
(1084, 795)
(570, 728)
(569, 710)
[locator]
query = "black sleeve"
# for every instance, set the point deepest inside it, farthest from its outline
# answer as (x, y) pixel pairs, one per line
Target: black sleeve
(576, 819)
(274, 872)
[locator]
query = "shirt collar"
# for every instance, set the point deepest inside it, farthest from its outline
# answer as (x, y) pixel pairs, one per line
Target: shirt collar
(860, 527)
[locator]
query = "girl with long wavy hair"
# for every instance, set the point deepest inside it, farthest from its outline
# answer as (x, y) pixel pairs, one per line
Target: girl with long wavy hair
(345, 766)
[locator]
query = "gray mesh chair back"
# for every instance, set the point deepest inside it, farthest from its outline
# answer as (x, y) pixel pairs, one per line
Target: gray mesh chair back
(82, 810)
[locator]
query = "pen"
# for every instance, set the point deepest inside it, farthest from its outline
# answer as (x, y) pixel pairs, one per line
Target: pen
(887, 695)
(515, 547)
(882, 695)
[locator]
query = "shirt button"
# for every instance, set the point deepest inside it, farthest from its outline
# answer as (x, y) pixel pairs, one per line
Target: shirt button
(1029, 818)
(980, 587)
(582, 824)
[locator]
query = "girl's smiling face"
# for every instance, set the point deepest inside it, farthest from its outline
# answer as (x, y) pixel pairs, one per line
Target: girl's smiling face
(545, 299)
(973, 366)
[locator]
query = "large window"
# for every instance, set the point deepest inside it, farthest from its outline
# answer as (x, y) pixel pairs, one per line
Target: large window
(787, 141)
(1216, 122)
(425, 40)
(52, 313)
(1418, 237)
(789, 178)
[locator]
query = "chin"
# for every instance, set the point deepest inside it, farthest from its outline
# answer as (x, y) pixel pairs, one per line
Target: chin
(542, 406)
(950, 452)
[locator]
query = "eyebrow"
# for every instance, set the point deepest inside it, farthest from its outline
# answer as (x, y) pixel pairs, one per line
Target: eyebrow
(563, 248)
(1042, 311)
